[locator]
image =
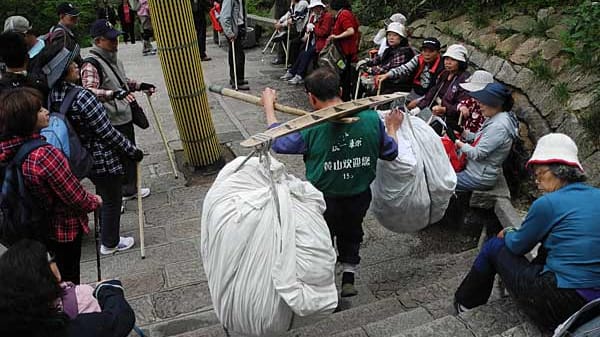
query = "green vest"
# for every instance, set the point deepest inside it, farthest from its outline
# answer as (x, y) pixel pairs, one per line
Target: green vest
(341, 158)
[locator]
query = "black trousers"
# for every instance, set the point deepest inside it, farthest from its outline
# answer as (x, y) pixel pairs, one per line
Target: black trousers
(240, 58)
(130, 179)
(344, 217)
(537, 294)
(348, 79)
(200, 24)
(109, 188)
(67, 256)
(129, 30)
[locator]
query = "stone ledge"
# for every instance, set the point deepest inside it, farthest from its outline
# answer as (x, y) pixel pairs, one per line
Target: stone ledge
(487, 199)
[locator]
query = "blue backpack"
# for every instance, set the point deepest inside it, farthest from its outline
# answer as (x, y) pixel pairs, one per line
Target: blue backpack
(61, 134)
(21, 216)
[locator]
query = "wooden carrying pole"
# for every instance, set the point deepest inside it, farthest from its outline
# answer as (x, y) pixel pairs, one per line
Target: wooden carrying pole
(180, 60)
(254, 100)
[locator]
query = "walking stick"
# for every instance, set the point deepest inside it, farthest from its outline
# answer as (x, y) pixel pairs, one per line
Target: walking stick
(307, 41)
(97, 239)
(287, 48)
(234, 64)
(139, 208)
(164, 139)
(269, 42)
(379, 85)
(357, 85)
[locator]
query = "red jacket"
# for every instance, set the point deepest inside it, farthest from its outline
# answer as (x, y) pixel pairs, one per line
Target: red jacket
(48, 177)
(322, 30)
(349, 45)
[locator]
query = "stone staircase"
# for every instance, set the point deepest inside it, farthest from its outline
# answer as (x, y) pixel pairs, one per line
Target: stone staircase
(409, 297)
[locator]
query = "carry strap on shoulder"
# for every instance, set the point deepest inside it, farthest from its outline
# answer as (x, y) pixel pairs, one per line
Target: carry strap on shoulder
(68, 100)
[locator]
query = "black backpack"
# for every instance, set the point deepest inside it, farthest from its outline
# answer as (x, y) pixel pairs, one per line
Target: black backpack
(21, 216)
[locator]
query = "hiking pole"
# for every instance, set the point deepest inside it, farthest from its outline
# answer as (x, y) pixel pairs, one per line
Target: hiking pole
(234, 64)
(287, 48)
(357, 86)
(307, 41)
(269, 42)
(97, 239)
(164, 139)
(139, 208)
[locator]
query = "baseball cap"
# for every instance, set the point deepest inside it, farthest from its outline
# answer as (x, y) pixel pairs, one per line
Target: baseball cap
(17, 24)
(67, 8)
(494, 94)
(102, 27)
(431, 43)
(478, 80)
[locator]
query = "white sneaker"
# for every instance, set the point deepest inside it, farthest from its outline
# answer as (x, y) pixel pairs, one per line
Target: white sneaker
(125, 242)
(145, 192)
(296, 80)
(287, 76)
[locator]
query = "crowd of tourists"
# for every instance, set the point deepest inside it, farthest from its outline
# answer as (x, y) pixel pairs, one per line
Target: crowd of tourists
(47, 77)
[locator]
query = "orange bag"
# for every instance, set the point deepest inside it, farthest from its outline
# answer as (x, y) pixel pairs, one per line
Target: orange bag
(214, 11)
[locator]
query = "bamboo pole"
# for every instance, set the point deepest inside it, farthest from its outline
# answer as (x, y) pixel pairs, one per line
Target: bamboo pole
(254, 100)
(180, 60)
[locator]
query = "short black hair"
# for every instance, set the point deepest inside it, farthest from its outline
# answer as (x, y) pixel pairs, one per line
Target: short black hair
(28, 293)
(19, 109)
(13, 49)
(462, 66)
(339, 4)
(323, 83)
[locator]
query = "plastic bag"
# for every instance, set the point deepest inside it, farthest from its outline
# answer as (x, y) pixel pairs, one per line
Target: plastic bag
(262, 270)
(414, 190)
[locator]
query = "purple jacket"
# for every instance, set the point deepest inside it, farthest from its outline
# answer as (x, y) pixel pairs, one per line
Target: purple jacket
(451, 93)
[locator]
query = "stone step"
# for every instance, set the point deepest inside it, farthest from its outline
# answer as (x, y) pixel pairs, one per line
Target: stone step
(441, 327)
(526, 329)
(395, 277)
(493, 318)
(335, 323)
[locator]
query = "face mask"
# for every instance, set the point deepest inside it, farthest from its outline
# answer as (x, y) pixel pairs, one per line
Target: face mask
(36, 49)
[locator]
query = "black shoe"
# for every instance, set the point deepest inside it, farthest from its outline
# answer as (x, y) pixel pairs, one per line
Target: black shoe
(205, 58)
(277, 60)
(244, 87)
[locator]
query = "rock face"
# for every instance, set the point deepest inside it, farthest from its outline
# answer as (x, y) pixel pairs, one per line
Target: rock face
(541, 104)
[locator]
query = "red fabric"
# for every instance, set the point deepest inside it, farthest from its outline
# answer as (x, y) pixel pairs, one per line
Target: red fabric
(475, 120)
(322, 30)
(458, 162)
(433, 70)
(126, 13)
(47, 175)
(213, 17)
(349, 45)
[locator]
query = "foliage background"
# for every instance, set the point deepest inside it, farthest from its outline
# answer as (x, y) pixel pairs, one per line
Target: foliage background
(42, 14)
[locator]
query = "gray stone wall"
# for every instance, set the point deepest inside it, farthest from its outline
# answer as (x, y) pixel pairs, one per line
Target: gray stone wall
(505, 48)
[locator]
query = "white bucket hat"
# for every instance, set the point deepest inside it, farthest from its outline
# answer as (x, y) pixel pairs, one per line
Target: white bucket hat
(555, 148)
(478, 80)
(398, 17)
(315, 3)
(457, 52)
(397, 28)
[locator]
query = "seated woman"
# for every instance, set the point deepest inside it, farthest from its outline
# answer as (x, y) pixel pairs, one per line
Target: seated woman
(397, 53)
(566, 273)
(47, 176)
(317, 30)
(443, 98)
(32, 302)
(471, 117)
(380, 38)
(492, 143)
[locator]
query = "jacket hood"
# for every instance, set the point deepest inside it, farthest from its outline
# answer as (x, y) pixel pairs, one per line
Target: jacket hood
(10, 146)
(509, 121)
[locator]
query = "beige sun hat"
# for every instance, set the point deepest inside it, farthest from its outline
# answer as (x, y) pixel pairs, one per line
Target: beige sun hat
(397, 28)
(457, 52)
(477, 81)
(555, 148)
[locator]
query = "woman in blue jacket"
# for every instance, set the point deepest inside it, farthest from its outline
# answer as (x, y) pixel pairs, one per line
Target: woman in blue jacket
(565, 275)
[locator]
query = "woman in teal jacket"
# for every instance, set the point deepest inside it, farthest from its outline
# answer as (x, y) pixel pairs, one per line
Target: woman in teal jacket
(565, 275)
